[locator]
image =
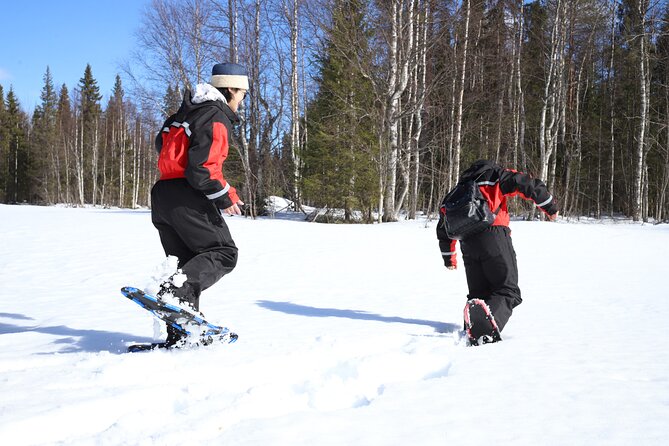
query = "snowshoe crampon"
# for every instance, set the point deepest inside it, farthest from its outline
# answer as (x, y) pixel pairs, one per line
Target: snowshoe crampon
(480, 325)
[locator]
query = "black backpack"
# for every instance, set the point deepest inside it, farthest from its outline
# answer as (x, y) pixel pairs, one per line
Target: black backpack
(466, 211)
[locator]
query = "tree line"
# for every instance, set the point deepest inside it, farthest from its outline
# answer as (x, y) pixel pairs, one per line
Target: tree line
(72, 151)
(370, 109)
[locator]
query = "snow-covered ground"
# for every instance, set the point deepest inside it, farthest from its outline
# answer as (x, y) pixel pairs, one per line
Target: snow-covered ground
(348, 336)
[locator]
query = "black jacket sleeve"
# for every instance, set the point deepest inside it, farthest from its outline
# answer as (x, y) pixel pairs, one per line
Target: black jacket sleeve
(517, 183)
(207, 150)
(446, 244)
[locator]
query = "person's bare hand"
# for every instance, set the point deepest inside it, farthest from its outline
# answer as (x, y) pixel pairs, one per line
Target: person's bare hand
(234, 209)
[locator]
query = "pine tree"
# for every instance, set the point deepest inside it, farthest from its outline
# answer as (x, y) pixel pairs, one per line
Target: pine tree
(117, 142)
(4, 147)
(171, 100)
(89, 138)
(338, 160)
(66, 143)
(17, 181)
(43, 144)
(90, 94)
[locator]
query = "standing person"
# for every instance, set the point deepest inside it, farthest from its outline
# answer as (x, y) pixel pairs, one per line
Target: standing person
(186, 201)
(488, 256)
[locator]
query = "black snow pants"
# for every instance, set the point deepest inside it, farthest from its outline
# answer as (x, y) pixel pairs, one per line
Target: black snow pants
(492, 271)
(192, 229)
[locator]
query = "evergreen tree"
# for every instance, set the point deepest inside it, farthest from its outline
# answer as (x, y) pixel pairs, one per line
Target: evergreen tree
(90, 94)
(339, 170)
(43, 145)
(65, 141)
(117, 144)
(17, 181)
(49, 98)
(118, 95)
(89, 150)
(4, 147)
(171, 100)
(64, 108)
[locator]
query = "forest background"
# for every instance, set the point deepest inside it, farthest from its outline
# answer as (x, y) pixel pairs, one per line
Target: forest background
(369, 109)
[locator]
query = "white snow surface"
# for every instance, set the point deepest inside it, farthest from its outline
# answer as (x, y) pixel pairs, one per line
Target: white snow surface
(348, 335)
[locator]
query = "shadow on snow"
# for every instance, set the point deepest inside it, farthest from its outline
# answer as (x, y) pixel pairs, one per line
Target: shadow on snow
(304, 310)
(73, 340)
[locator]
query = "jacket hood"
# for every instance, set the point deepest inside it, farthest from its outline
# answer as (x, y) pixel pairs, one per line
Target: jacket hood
(477, 169)
(207, 92)
(206, 95)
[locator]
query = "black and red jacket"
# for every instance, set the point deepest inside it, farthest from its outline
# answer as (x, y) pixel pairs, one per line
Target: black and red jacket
(496, 184)
(193, 144)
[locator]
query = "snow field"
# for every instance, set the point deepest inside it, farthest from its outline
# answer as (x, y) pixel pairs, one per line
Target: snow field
(348, 335)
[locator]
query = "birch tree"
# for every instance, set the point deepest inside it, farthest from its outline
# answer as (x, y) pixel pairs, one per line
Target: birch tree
(518, 107)
(177, 44)
(553, 84)
(457, 144)
(644, 98)
(612, 115)
(420, 73)
(293, 20)
(400, 50)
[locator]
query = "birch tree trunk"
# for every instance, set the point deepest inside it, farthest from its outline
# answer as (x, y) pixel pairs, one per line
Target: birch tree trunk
(665, 177)
(399, 78)
(136, 163)
(232, 16)
(644, 82)
(55, 160)
(79, 162)
(519, 99)
(582, 86)
(549, 125)
(662, 205)
(415, 103)
(103, 185)
(67, 151)
(421, 72)
(460, 96)
(197, 23)
(389, 201)
(243, 142)
(121, 144)
(612, 140)
(451, 172)
(295, 105)
(94, 163)
(561, 125)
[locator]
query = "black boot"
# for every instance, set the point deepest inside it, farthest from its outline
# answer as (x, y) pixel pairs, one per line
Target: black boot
(175, 337)
(185, 294)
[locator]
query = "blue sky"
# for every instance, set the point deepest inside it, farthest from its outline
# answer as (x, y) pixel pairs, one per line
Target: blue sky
(65, 35)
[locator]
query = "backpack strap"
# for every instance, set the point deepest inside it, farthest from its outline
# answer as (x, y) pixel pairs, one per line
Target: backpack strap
(477, 185)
